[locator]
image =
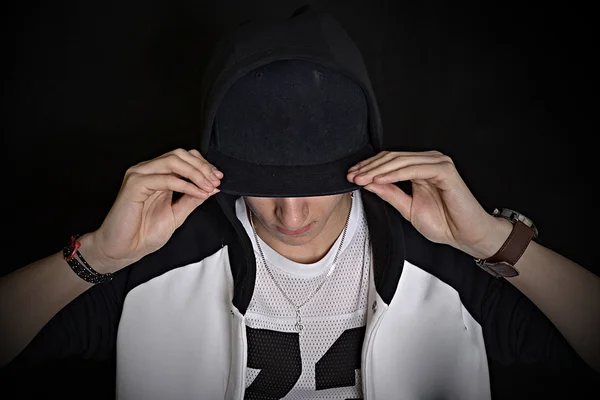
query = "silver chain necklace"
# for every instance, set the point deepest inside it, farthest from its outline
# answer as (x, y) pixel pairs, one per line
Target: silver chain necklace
(299, 326)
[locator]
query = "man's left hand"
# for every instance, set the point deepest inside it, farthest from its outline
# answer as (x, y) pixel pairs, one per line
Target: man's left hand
(441, 208)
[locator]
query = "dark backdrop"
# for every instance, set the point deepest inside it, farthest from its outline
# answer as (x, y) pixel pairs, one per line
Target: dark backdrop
(94, 87)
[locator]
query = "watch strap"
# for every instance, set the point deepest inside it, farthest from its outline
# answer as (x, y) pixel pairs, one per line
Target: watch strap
(514, 247)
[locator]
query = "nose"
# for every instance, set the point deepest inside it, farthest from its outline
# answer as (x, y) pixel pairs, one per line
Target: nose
(293, 213)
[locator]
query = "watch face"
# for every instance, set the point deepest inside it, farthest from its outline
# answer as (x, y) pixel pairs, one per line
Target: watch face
(513, 216)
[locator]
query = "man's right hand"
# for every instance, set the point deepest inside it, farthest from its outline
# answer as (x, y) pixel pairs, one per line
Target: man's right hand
(143, 216)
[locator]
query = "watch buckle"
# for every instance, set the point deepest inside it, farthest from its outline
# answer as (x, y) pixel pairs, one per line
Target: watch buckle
(501, 269)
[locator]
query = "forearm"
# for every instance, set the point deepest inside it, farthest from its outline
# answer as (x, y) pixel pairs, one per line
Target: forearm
(32, 295)
(568, 294)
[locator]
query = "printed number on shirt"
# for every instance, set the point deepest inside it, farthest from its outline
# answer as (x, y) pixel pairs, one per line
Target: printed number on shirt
(277, 355)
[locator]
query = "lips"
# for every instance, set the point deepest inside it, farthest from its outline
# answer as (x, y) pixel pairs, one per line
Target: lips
(294, 233)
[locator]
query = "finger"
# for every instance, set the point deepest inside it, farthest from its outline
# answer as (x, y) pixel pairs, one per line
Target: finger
(407, 158)
(204, 192)
(195, 158)
(201, 163)
(173, 163)
(155, 182)
(391, 154)
(183, 207)
(384, 166)
(437, 173)
(208, 170)
(369, 160)
(204, 165)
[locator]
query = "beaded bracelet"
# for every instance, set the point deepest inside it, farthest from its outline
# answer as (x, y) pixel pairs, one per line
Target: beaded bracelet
(85, 272)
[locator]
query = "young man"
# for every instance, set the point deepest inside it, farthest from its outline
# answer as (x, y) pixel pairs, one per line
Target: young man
(308, 273)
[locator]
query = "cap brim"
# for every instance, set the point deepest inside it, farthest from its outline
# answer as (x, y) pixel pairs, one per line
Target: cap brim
(247, 179)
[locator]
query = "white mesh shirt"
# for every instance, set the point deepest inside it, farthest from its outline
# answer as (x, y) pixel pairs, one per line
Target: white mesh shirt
(324, 361)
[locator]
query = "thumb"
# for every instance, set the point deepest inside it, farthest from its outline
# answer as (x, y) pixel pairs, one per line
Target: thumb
(393, 195)
(183, 207)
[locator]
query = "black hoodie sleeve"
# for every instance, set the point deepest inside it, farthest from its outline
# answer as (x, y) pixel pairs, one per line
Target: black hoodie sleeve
(85, 328)
(515, 330)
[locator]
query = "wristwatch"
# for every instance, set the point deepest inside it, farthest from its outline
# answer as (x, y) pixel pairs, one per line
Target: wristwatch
(502, 264)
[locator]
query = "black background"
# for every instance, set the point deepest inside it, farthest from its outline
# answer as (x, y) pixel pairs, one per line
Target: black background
(93, 87)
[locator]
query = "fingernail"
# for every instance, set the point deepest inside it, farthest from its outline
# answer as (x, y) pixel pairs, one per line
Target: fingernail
(353, 168)
(218, 173)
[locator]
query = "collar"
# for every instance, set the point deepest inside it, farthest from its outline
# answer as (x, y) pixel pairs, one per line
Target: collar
(387, 242)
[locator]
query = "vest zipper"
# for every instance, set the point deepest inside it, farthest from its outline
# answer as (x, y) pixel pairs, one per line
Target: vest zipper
(244, 360)
(366, 370)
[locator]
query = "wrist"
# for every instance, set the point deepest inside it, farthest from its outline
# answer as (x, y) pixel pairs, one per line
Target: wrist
(93, 255)
(498, 231)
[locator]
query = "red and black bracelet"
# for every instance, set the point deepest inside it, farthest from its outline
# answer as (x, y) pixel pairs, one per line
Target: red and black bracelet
(85, 271)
